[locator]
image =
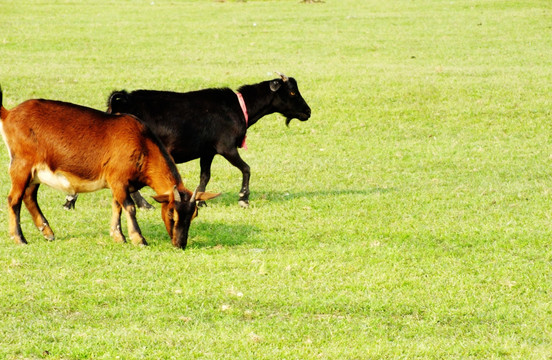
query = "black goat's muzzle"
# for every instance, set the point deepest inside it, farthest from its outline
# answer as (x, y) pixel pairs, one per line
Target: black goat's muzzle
(302, 116)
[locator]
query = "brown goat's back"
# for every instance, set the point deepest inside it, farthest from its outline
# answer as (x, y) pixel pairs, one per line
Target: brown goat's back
(72, 139)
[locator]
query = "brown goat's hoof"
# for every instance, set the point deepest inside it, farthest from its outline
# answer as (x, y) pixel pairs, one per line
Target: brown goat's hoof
(47, 232)
(138, 240)
(20, 240)
(180, 246)
(118, 237)
(50, 237)
(244, 203)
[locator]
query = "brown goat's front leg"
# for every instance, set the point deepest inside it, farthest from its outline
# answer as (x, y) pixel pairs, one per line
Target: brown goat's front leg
(133, 229)
(38, 217)
(122, 197)
(234, 158)
(115, 230)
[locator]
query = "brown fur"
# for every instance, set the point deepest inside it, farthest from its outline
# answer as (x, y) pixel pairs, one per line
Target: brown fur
(79, 149)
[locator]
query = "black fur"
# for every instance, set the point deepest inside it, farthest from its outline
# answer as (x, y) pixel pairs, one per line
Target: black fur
(204, 123)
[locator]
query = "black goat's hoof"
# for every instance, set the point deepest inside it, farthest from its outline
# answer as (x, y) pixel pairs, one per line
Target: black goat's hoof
(69, 205)
(243, 203)
(145, 205)
(201, 203)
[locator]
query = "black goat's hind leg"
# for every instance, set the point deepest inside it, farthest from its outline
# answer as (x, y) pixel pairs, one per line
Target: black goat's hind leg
(205, 163)
(140, 201)
(70, 201)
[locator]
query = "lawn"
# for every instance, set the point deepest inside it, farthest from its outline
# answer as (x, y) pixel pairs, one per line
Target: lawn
(409, 218)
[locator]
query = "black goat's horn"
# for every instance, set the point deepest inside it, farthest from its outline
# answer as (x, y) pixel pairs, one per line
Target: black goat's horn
(285, 78)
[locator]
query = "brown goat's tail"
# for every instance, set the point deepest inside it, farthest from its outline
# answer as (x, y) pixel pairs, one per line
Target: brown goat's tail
(3, 111)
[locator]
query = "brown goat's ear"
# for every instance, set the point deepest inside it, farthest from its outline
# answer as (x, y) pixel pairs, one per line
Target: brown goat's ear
(275, 85)
(202, 196)
(163, 198)
(176, 195)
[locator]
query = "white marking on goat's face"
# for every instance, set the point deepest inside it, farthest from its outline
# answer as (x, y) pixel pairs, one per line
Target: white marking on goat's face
(64, 181)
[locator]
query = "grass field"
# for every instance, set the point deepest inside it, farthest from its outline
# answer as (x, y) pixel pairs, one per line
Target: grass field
(409, 218)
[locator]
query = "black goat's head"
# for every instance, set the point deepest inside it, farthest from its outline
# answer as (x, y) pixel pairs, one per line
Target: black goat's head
(288, 100)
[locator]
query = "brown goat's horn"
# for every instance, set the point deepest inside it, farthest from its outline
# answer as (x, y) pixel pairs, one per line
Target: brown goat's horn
(285, 78)
(192, 199)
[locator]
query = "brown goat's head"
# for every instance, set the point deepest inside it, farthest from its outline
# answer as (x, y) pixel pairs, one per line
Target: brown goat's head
(178, 209)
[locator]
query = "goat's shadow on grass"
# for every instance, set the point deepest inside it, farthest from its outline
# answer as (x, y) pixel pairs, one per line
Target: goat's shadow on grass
(201, 235)
(208, 234)
(283, 196)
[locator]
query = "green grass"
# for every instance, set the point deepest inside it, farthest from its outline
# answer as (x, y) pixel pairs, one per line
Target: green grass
(409, 218)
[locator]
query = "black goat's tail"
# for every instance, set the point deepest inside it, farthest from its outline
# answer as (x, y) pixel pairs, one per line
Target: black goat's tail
(117, 101)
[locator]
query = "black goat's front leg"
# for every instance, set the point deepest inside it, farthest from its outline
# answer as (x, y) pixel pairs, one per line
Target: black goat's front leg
(205, 164)
(140, 201)
(234, 158)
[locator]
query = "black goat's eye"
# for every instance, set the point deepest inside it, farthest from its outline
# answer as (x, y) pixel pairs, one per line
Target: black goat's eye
(292, 93)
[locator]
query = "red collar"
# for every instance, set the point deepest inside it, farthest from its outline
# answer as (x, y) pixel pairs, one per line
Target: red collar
(245, 115)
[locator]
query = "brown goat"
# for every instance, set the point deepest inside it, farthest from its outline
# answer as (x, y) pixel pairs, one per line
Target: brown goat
(78, 149)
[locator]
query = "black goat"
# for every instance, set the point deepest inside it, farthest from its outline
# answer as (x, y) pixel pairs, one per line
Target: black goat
(204, 123)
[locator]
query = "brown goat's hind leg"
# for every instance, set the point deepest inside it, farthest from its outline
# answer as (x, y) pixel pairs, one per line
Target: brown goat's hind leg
(19, 178)
(14, 210)
(37, 215)
(115, 230)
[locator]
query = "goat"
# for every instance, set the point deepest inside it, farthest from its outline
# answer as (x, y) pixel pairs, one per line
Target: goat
(78, 149)
(204, 123)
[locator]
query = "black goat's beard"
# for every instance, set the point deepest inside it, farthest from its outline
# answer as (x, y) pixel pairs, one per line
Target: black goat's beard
(288, 120)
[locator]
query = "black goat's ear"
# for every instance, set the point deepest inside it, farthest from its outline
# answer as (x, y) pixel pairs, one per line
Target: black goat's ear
(275, 85)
